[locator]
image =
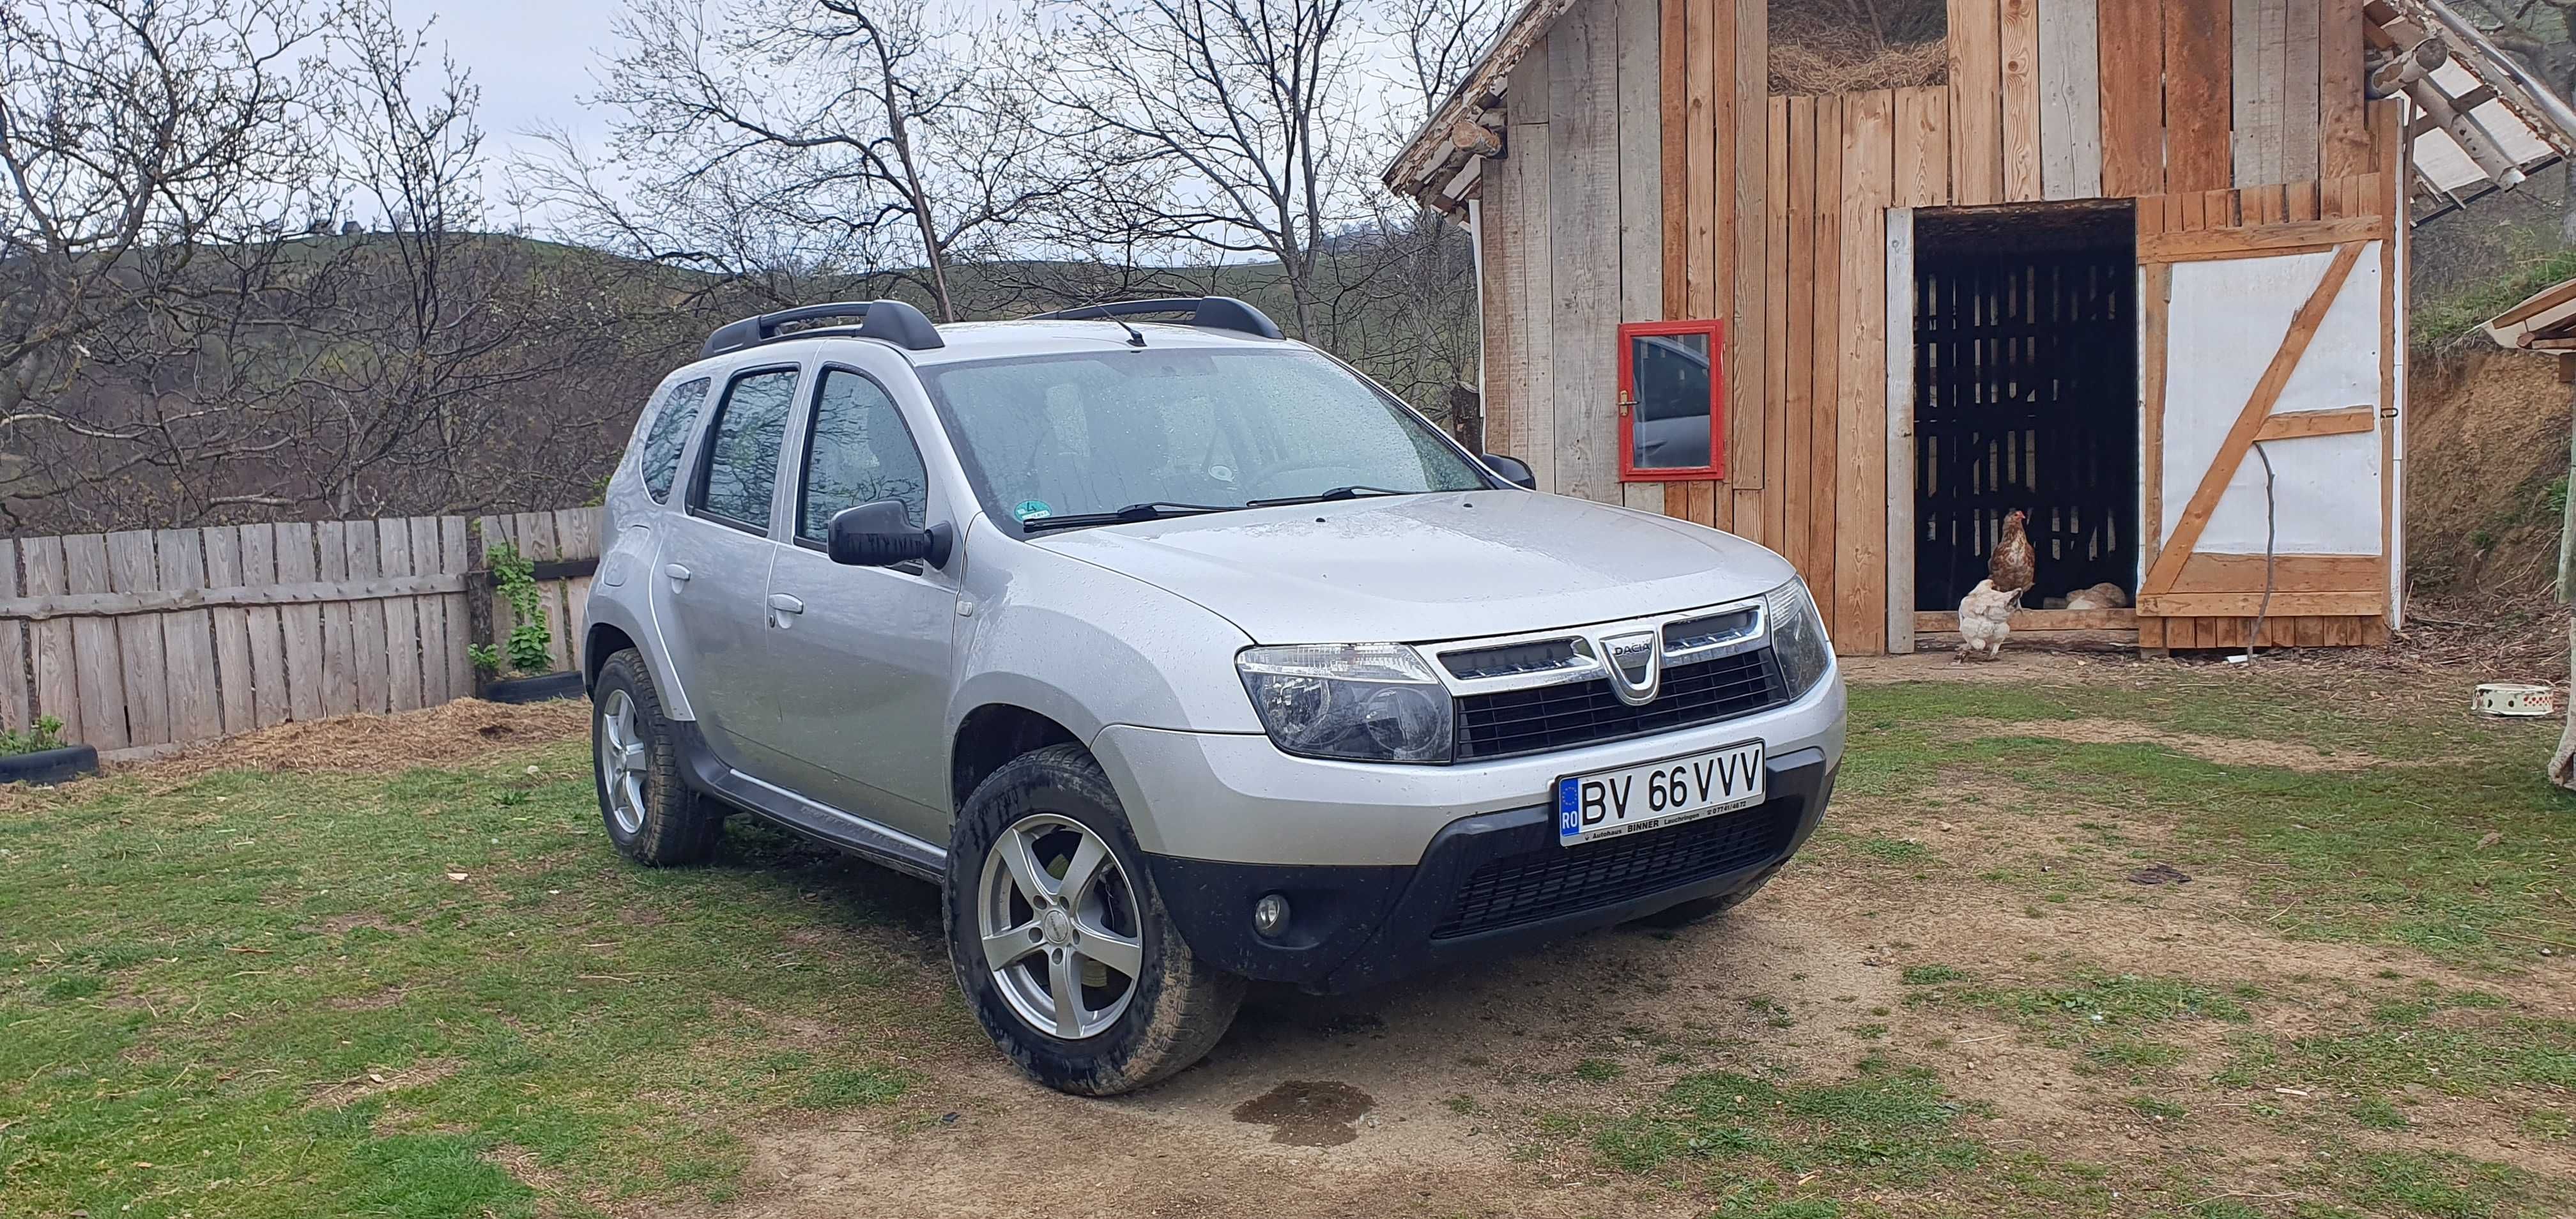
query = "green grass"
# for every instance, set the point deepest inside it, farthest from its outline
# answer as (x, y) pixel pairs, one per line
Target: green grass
(1888, 1122)
(2387, 855)
(263, 995)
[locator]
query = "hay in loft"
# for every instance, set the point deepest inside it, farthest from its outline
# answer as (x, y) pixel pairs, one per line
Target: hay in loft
(1846, 46)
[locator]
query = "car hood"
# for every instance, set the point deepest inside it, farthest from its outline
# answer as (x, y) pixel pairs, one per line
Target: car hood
(1419, 568)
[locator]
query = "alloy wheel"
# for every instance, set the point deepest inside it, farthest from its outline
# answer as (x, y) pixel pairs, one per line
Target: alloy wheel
(1057, 918)
(623, 761)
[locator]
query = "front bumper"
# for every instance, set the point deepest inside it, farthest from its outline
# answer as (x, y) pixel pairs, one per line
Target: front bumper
(1487, 884)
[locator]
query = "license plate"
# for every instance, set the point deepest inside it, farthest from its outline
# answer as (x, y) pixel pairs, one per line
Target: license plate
(1610, 803)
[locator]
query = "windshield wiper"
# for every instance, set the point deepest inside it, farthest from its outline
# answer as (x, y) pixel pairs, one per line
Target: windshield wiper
(1353, 491)
(1153, 510)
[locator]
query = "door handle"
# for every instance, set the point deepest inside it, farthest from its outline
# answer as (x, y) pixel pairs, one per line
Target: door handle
(678, 574)
(785, 604)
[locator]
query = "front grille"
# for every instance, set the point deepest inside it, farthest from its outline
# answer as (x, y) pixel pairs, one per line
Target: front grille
(1513, 722)
(1555, 880)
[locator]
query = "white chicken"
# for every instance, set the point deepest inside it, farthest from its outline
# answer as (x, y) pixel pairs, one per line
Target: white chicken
(1985, 620)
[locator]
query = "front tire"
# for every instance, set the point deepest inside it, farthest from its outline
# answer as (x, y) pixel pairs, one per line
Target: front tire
(653, 816)
(1060, 942)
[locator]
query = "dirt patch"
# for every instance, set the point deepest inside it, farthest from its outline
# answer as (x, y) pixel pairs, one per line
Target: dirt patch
(1307, 1113)
(464, 731)
(2224, 751)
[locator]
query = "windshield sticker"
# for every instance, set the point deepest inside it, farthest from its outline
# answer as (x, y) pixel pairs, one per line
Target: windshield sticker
(1031, 509)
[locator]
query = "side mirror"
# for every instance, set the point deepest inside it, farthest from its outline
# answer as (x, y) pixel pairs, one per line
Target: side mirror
(1513, 469)
(880, 534)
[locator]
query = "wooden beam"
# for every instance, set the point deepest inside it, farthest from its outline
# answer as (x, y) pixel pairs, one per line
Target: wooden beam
(1940, 622)
(1860, 564)
(2249, 422)
(2351, 421)
(2267, 239)
(167, 600)
(2289, 573)
(2198, 93)
(2070, 100)
(2018, 29)
(2130, 68)
(2240, 605)
(1749, 415)
(1976, 101)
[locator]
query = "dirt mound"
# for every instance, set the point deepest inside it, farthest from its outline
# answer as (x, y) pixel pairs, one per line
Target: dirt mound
(2486, 460)
(466, 730)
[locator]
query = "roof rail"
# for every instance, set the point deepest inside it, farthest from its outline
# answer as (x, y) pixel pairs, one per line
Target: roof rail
(1213, 312)
(893, 321)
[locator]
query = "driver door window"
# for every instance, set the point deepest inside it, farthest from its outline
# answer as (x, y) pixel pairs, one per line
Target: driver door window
(860, 452)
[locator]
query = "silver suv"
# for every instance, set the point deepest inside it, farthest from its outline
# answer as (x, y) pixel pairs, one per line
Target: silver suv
(1179, 655)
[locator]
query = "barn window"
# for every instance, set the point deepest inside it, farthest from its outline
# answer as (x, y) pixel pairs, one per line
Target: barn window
(1672, 401)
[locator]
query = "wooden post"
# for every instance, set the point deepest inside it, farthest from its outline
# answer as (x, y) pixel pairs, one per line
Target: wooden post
(2562, 763)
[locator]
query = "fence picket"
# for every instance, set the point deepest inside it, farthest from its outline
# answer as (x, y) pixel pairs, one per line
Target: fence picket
(131, 567)
(402, 619)
(577, 537)
(339, 652)
(431, 613)
(234, 680)
(57, 681)
(455, 558)
(106, 720)
(15, 712)
(270, 699)
(367, 621)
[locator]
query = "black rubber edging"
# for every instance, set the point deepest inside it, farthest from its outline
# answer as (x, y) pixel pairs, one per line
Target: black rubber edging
(49, 766)
(547, 688)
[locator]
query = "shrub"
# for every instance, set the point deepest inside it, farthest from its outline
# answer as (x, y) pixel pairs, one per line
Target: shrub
(530, 647)
(46, 734)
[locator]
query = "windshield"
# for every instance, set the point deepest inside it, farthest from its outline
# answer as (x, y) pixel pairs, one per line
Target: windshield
(1067, 435)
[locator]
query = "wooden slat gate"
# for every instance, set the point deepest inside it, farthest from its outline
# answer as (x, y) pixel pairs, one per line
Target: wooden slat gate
(2268, 421)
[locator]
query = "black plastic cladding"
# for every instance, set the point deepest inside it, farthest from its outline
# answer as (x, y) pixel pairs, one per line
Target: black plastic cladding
(893, 321)
(1211, 312)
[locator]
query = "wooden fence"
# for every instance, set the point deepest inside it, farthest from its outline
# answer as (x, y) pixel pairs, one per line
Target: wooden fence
(145, 640)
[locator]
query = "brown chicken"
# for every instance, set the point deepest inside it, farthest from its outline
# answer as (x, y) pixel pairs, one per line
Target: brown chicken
(2013, 565)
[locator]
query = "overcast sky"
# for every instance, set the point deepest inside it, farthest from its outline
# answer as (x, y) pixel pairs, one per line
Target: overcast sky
(533, 59)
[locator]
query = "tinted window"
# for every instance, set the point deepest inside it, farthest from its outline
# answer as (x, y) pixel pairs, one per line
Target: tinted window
(1057, 435)
(669, 434)
(860, 453)
(742, 451)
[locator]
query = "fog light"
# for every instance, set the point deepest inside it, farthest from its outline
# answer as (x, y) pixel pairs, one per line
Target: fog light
(1270, 914)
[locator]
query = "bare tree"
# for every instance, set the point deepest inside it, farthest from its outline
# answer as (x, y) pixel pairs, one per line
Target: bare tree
(133, 135)
(1249, 109)
(229, 354)
(857, 138)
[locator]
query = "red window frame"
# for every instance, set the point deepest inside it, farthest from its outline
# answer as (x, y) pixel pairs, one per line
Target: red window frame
(1715, 329)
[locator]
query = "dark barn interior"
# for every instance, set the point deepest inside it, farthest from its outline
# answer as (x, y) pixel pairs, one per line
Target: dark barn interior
(2025, 395)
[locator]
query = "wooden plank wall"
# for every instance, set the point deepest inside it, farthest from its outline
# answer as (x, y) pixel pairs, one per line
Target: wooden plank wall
(145, 640)
(1647, 175)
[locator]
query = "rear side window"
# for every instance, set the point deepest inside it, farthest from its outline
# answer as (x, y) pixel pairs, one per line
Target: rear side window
(860, 453)
(742, 451)
(669, 434)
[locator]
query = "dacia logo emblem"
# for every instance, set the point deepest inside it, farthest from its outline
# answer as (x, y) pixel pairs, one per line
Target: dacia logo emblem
(1636, 665)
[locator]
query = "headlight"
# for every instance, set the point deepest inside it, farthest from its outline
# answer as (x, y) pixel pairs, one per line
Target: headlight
(1798, 637)
(1365, 702)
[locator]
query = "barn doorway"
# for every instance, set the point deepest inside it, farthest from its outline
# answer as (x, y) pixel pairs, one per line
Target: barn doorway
(2025, 396)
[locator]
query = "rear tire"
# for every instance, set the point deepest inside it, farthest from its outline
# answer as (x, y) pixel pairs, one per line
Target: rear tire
(653, 816)
(1141, 1009)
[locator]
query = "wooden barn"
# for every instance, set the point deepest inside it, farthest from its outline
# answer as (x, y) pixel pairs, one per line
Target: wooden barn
(2135, 268)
